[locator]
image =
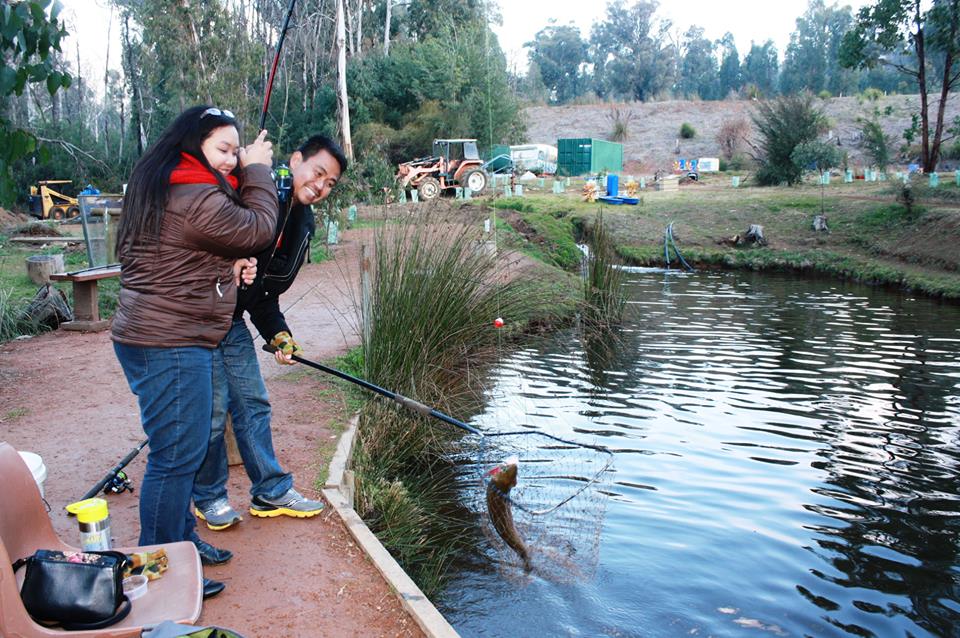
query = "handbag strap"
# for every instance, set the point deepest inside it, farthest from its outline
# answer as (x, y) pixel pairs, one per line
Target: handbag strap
(122, 611)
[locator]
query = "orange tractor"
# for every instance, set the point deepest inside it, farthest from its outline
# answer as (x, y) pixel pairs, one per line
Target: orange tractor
(453, 163)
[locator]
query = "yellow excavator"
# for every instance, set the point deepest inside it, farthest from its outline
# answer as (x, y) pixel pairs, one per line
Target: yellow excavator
(47, 203)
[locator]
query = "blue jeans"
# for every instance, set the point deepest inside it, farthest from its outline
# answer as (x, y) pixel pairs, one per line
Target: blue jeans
(174, 388)
(238, 388)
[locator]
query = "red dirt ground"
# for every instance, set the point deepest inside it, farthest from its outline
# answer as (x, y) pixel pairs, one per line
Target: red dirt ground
(63, 396)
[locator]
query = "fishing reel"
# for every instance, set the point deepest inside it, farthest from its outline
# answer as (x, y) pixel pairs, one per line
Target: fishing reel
(284, 181)
(119, 484)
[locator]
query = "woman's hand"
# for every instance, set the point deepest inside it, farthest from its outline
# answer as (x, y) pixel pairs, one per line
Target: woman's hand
(259, 152)
(245, 270)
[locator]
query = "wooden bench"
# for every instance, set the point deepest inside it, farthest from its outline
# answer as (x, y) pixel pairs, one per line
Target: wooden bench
(86, 297)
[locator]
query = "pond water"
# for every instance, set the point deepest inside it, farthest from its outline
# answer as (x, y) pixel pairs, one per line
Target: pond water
(786, 464)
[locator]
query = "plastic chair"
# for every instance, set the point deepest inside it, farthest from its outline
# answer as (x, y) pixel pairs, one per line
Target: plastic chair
(25, 527)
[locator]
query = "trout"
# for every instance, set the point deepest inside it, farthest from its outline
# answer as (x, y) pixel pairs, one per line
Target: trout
(502, 479)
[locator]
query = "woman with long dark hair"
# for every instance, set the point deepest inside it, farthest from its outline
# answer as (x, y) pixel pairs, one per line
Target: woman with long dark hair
(196, 203)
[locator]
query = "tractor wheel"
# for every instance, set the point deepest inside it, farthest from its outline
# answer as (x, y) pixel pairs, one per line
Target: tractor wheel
(429, 188)
(475, 180)
(73, 211)
(57, 212)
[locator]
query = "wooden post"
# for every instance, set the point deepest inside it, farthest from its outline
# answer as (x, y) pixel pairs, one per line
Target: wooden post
(230, 438)
(40, 267)
(365, 301)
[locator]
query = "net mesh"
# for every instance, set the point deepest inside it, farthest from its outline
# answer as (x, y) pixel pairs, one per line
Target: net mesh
(558, 503)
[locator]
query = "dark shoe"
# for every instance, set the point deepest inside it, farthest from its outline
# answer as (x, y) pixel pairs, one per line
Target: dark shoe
(211, 588)
(210, 555)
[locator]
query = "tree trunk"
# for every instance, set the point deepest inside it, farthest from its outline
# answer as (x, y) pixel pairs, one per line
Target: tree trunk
(947, 83)
(918, 44)
(136, 104)
(386, 31)
(342, 99)
(40, 267)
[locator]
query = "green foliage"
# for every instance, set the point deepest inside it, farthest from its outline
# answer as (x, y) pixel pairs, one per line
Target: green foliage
(875, 143)
(761, 70)
(916, 37)
(810, 61)
(822, 156)
(731, 78)
(633, 56)
(558, 52)
(29, 37)
(603, 285)
(698, 67)
(687, 131)
(428, 333)
(545, 236)
(784, 124)
(451, 84)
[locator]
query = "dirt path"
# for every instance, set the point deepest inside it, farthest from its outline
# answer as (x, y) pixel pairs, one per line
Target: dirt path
(63, 396)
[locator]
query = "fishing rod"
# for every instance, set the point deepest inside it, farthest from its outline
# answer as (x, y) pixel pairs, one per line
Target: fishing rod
(114, 471)
(406, 402)
(276, 62)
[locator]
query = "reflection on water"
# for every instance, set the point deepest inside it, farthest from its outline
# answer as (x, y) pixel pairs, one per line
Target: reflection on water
(786, 464)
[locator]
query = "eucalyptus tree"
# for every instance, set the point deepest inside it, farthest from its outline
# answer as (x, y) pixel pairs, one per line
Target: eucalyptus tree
(811, 59)
(698, 66)
(29, 39)
(559, 52)
(761, 68)
(632, 55)
(731, 78)
(912, 36)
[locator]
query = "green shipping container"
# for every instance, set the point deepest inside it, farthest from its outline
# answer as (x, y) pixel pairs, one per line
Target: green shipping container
(584, 155)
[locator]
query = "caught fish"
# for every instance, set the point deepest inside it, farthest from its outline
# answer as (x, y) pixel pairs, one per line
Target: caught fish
(502, 479)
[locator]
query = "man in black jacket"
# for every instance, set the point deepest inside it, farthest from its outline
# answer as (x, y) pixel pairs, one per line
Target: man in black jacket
(315, 169)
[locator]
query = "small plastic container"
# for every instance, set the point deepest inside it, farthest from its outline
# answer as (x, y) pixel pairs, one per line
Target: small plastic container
(135, 586)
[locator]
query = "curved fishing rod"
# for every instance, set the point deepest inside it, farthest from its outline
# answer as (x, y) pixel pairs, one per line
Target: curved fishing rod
(426, 410)
(276, 62)
(406, 402)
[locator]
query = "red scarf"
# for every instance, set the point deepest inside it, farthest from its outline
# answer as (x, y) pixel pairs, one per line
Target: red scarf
(191, 171)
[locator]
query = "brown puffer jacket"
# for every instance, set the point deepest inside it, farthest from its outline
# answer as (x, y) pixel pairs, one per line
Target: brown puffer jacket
(181, 292)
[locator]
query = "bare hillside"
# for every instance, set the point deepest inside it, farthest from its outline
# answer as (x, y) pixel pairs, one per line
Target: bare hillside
(654, 128)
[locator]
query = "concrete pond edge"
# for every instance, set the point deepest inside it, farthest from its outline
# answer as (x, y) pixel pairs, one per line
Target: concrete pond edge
(339, 491)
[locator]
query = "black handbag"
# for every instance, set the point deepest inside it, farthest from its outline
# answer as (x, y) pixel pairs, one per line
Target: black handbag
(74, 590)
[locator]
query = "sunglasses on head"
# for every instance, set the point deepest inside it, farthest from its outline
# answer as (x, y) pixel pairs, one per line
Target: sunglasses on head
(217, 113)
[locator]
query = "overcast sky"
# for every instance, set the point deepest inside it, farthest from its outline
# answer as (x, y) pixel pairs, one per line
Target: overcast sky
(747, 20)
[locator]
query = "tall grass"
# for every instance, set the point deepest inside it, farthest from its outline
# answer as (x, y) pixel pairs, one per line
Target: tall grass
(434, 295)
(9, 321)
(603, 281)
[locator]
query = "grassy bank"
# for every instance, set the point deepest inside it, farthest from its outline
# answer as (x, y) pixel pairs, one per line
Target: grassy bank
(873, 237)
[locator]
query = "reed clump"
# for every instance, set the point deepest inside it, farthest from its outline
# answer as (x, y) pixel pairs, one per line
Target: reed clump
(604, 299)
(429, 333)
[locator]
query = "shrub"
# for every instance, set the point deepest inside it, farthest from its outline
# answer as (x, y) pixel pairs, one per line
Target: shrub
(687, 131)
(731, 136)
(824, 95)
(620, 121)
(875, 143)
(784, 124)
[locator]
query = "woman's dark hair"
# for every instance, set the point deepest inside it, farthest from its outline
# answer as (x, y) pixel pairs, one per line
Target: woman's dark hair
(146, 196)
